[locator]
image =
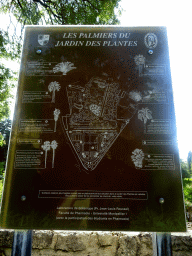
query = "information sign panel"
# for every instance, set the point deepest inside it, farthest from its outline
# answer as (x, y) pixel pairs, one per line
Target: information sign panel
(93, 143)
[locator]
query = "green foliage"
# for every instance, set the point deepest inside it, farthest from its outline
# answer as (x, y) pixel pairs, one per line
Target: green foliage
(187, 183)
(2, 141)
(4, 92)
(187, 190)
(1, 189)
(2, 171)
(5, 128)
(105, 16)
(7, 76)
(10, 47)
(184, 169)
(189, 161)
(6, 85)
(60, 12)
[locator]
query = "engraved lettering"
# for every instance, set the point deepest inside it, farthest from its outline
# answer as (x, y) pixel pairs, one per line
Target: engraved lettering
(58, 43)
(69, 35)
(98, 35)
(69, 43)
(120, 43)
(124, 35)
(93, 43)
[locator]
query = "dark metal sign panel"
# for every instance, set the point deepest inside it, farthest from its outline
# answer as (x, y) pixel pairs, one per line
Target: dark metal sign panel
(93, 143)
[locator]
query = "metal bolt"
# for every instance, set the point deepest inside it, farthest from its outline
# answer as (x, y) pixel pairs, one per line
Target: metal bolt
(150, 52)
(23, 198)
(161, 200)
(38, 51)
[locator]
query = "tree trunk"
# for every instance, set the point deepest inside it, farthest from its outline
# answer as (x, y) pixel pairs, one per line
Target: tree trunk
(45, 158)
(53, 96)
(53, 158)
(145, 127)
(55, 126)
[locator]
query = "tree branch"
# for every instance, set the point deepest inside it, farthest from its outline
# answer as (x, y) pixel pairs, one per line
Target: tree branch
(91, 5)
(46, 7)
(20, 4)
(42, 3)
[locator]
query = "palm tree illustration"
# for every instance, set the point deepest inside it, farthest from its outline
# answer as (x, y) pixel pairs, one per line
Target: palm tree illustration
(56, 113)
(53, 87)
(46, 146)
(145, 114)
(54, 145)
(64, 67)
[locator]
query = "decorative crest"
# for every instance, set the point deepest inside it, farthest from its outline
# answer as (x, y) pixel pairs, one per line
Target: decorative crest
(43, 39)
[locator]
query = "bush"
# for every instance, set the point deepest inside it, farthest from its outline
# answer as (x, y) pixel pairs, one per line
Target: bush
(185, 169)
(1, 189)
(2, 171)
(187, 190)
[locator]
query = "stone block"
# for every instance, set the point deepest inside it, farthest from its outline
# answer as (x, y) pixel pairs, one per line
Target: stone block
(6, 238)
(128, 245)
(145, 246)
(182, 244)
(71, 242)
(42, 239)
(105, 240)
(107, 244)
(6, 252)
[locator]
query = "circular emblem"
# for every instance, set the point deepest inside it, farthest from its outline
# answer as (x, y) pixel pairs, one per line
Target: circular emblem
(150, 40)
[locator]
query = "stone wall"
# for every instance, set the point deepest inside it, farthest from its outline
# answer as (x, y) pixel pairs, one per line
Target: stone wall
(57, 243)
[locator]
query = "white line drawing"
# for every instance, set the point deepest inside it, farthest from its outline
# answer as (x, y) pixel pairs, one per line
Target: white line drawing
(148, 69)
(46, 146)
(140, 62)
(54, 145)
(64, 67)
(53, 87)
(150, 40)
(135, 95)
(97, 117)
(145, 114)
(56, 113)
(137, 158)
